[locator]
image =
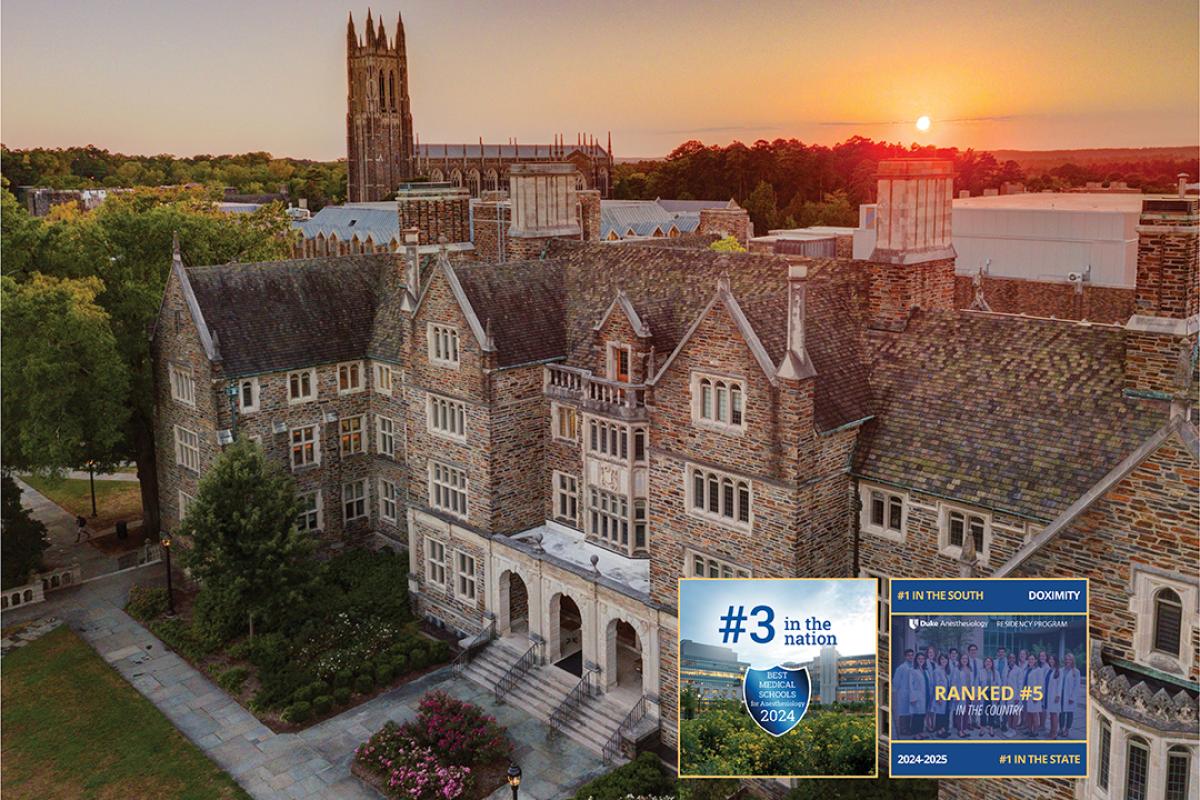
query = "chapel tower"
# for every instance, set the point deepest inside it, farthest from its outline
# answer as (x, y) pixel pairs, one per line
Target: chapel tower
(379, 144)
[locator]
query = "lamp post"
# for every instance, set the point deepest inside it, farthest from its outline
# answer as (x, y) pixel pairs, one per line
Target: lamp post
(91, 465)
(165, 541)
(514, 779)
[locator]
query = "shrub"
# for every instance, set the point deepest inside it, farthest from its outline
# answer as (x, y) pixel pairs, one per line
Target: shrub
(412, 770)
(146, 602)
(240, 651)
(439, 651)
(269, 652)
(217, 618)
(341, 695)
(297, 712)
(383, 674)
(460, 731)
(416, 659)
(399, 664)
(364, 683)
(370, 584)
(322, 703)
(178, 636)
(231, 680)
(278, 687)
(642, 777)
(343, 677)
(304, 693)
(318, 688)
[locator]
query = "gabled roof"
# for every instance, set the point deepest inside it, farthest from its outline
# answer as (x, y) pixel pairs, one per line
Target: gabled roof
(520, 306)
(1010, 414)
(634, 218)
(1179, 426)
(621, 301)
(280, 315)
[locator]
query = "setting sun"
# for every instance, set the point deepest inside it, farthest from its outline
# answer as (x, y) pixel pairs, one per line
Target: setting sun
(923, 124)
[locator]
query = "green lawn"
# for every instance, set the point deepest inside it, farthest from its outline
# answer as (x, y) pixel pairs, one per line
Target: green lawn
(115, 500)
(74, 728)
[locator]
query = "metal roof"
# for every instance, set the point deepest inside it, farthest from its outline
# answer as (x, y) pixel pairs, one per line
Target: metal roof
(380, 221)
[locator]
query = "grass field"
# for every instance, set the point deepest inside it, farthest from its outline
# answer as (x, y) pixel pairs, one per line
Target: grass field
(115, 500)
(73, 728)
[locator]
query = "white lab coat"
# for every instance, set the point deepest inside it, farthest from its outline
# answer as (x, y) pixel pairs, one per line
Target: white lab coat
(1072, 689)
(901, 688)
(940, 678)
(918, 691)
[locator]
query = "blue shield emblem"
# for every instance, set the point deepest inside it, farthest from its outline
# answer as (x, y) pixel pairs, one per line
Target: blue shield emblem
(777, 697)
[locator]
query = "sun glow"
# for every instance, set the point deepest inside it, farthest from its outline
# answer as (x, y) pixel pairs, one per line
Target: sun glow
(923, 124)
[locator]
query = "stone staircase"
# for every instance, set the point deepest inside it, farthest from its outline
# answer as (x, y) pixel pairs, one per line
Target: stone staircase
(541, 690)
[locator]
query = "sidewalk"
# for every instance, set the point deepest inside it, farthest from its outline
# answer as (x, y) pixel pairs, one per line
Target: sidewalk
(60, 526)
(315, 763)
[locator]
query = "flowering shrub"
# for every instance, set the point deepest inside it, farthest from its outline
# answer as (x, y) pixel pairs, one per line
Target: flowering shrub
(411, 771)
(459, 731)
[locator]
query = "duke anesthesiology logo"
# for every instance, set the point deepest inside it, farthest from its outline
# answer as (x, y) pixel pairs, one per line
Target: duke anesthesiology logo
(914, 623)
(777, 697)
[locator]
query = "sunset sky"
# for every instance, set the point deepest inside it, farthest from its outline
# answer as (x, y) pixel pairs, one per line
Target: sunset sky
(146, 76)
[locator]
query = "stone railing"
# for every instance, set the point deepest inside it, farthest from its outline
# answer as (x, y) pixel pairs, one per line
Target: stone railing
(40, 585)
(625, 400)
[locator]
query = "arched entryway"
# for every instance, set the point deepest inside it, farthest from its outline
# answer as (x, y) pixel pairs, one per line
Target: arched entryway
(624, 664)
(514, 604)
(566, 634)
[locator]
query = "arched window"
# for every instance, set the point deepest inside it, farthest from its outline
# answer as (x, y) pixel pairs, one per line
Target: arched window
(735, 404)
(706, 398)
(727, 498)
(1168, 621)
(743, 514)
(1137, 764)
(722, 413)
(714, 496)
(473, 181)
(579, 182)
(1179, 771)
(392, 88)
(456, 177)
(492, 180)
(382, 95)
(436, 176)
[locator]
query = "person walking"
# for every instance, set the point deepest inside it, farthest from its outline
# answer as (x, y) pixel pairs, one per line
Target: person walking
(81, 529)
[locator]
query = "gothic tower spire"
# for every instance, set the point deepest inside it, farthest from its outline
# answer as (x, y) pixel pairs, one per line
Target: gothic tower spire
(379, 143)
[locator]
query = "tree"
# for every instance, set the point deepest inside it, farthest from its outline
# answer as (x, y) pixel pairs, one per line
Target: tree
(689, 701)
(244, 543)
(65, 384)
(20, 235)
(22, 540)
(761, 207)
(126, 243)
(727, 244)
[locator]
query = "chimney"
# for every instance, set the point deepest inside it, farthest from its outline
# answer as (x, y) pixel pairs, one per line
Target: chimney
(912, 266)
(1183, 176)
(412, 268)
(1160, 334)
(796, 364)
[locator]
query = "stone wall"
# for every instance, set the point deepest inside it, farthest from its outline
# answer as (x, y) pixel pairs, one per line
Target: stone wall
(437, 216)
(724, 222)
(1168, 261)
(491, 223)
(1047, 299)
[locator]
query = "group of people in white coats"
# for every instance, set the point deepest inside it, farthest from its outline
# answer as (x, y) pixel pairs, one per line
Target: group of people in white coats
(1045, 694)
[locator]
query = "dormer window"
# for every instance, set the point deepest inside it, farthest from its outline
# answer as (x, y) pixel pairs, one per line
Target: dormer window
(884, 512)
(718, 402)
(957, 524)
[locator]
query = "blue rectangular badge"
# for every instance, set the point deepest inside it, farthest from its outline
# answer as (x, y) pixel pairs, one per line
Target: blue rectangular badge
(988, 678)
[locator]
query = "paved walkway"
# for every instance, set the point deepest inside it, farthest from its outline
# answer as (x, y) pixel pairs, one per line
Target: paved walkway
(82, 475)
(60, 526)
(312, 764)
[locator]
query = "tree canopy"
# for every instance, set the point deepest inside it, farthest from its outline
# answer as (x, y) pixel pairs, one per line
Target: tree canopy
(65, 383)
(320, 182)
(125, 246)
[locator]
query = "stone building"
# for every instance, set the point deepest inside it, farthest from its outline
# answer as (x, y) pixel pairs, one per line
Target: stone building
(382, 151)
(558, 438)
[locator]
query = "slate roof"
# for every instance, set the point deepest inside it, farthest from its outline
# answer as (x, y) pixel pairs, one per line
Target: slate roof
(280, 315)
(525, 303)
(1011, 414)
(692, 206)
(643, 217)
(475, 150)
(377, 220)
(669, 287)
